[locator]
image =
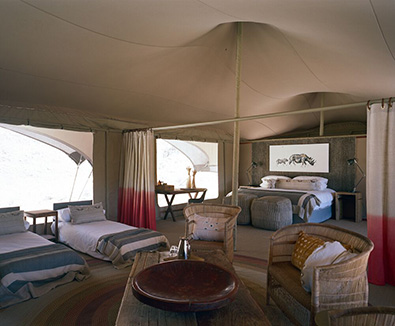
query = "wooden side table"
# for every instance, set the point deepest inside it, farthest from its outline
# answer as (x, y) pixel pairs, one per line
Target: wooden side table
(44, 213)
(348, 205)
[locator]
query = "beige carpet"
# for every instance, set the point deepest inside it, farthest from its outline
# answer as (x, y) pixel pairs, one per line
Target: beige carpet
(96, 301)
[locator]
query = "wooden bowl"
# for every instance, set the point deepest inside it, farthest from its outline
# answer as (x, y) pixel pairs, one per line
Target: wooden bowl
(185, 285)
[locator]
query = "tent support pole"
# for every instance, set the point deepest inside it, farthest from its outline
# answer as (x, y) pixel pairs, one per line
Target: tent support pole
(236, 128)
(269, 115)
(322, 118)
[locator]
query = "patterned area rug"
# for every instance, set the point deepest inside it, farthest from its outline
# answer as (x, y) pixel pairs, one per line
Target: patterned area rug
(96, 301)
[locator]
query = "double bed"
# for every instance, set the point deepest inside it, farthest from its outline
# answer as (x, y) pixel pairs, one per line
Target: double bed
(311, 200)
(30, 265)
(101, 238)
(312, 206)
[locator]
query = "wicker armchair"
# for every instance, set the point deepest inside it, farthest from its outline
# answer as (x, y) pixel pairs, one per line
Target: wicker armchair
(337, 286)
(227, 213)
(372, 316)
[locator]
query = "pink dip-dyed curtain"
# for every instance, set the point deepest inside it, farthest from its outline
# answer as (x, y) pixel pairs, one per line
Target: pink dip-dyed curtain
(381, 192)
(136, 201)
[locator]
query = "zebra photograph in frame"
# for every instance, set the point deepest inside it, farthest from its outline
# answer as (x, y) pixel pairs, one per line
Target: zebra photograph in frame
(299, 158)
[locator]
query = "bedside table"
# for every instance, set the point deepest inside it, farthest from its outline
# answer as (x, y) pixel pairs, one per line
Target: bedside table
(44, 213)
(348, 205)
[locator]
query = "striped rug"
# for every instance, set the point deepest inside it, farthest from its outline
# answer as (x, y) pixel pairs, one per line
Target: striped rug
(96, 301)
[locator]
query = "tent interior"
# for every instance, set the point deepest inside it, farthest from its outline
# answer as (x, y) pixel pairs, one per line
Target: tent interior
(283, 72)
(107, 67)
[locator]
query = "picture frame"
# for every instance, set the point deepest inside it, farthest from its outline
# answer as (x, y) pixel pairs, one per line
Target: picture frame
(299, 158)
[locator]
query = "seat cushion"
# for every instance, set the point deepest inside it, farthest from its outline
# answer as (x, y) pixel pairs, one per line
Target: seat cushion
(209, 228)
(288, 276)
(244, 201)
(271, 212)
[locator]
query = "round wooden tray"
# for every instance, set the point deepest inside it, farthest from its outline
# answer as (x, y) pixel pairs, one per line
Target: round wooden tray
(185, 285)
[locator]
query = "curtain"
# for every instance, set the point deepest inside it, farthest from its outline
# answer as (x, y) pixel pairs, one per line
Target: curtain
(136, 201)
(381, 192)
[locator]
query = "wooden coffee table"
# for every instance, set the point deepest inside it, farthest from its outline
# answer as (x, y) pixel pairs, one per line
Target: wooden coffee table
(242, 311)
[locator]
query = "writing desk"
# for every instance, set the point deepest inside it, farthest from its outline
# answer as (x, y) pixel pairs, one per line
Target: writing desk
(243, 311)
(170, 194)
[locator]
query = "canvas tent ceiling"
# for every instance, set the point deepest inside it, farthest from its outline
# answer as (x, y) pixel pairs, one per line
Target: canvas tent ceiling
(147, 63)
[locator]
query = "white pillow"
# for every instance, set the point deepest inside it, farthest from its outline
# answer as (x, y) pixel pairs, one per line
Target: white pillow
(64, 214)
(12, 222)
(276, 177)
(305, 177)
(87, 213)
(209, 228)
(268, 183)
(300, 184)
(26, 224)
(327, 254)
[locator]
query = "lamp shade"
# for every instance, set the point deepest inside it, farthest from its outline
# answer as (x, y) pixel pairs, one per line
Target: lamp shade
(351, 161)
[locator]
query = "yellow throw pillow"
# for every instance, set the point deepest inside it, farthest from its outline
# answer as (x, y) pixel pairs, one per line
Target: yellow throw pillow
(304, 247)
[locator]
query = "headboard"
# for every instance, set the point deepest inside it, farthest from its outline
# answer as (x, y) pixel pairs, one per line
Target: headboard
(57, 206)
(9, 209)
(340, 176)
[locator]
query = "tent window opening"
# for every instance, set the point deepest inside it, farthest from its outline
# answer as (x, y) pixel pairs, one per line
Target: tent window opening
(37, 171)
(175, 156)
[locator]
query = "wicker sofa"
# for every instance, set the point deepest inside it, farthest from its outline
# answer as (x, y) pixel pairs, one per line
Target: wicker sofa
(337, 286)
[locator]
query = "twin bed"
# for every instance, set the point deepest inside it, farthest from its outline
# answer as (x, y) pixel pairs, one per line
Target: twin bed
(101, 238)
(31, 265)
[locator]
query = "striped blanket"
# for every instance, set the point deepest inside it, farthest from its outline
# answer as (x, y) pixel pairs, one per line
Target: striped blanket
(32, 272)
(122, 247)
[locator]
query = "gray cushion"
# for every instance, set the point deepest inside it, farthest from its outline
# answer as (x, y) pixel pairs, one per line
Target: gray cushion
(271, 212)
(87, 213)
(244, 201)
(12, 222)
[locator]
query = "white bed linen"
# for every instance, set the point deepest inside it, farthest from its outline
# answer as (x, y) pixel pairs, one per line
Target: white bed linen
(84, 237)
(21, 240)
(325, 196)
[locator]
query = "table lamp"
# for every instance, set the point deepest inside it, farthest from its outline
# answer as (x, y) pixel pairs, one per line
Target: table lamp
(353, 161)
(253, 165)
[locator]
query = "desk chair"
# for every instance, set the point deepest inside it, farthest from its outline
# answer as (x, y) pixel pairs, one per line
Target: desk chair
(198, 200)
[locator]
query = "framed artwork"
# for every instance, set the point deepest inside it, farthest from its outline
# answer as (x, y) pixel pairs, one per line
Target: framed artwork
(299, 158)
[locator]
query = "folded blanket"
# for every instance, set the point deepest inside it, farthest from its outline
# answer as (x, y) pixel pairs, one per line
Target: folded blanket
(306, 205)
(122, 247)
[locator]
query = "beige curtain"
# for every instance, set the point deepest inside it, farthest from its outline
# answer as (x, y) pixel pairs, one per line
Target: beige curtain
(136, 201)
(380, 188)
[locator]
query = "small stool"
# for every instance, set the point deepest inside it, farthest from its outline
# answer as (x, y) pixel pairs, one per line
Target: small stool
(271, 212)
(244, 201)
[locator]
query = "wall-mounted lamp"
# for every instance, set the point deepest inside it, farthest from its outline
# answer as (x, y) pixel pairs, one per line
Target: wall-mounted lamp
(353, 161)
(253, 165)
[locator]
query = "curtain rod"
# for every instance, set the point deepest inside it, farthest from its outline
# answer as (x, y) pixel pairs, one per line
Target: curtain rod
(269, 115)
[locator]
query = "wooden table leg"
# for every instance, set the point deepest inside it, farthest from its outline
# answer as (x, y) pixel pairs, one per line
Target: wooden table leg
(169, 210)
(45, 225)
(56, 228)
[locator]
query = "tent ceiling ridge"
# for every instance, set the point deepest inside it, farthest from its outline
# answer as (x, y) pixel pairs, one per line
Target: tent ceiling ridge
(269, 115)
